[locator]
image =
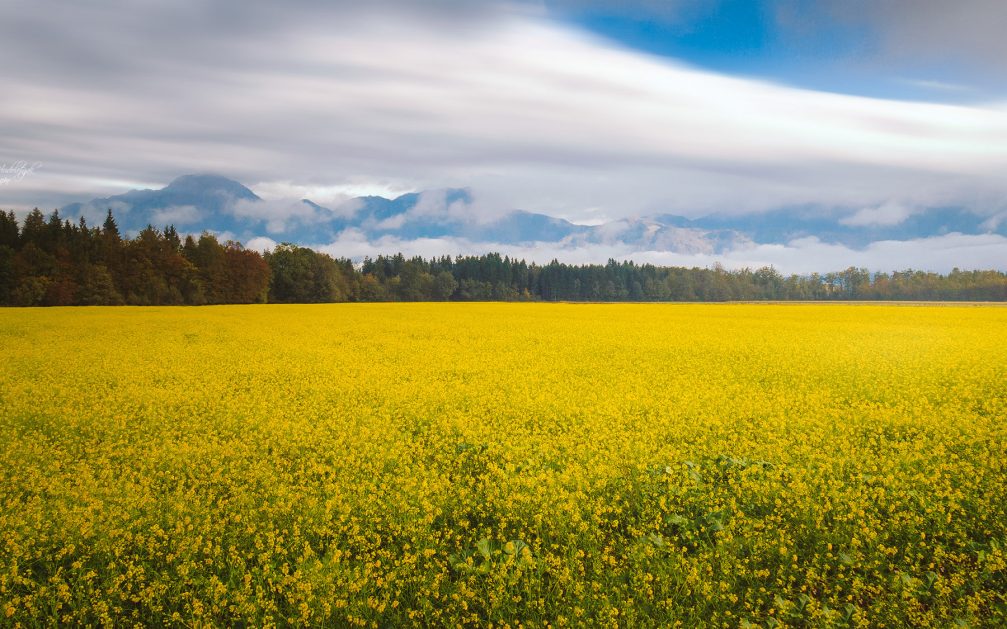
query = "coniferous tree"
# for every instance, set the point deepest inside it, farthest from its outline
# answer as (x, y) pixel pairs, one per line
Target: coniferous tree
(53, 261)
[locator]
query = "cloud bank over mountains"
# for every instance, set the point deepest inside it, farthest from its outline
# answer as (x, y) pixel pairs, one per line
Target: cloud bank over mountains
(452, 222)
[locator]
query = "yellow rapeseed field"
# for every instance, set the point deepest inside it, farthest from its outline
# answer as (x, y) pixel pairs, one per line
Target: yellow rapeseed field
(391, 465)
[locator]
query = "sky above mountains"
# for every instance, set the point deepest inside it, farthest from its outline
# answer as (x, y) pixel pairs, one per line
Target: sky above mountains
(874, 113)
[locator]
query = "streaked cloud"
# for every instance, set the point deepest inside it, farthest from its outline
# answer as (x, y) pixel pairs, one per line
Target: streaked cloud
(329, 99)
(930, 30)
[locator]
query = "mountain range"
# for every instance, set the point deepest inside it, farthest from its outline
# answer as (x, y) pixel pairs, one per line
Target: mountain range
(196, 203)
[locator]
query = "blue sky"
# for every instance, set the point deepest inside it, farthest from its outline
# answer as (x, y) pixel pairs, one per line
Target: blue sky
(801, 43)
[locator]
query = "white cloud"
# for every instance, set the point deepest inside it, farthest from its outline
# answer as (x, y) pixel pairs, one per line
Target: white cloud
(885, 214)
(392, 222)
(279, 215)
(260, 244)
(806, 255)
(176, 215)
(923, 30)
(434, 206)
(338, 198)
(221, 236)
(612, 230)
(938, 253)
(528, 113)
(993, 222)
(942, 86)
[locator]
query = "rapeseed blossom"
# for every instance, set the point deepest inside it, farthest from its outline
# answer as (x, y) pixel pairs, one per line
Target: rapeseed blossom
(504, 465)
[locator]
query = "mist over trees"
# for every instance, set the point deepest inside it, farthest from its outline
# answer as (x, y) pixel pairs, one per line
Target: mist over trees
(51, 261)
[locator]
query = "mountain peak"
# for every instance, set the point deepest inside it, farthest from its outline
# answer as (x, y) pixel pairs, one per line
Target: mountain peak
(202, 183)
(212, 202)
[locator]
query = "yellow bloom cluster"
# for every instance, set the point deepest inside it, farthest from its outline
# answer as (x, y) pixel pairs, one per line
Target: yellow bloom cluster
(504, 465)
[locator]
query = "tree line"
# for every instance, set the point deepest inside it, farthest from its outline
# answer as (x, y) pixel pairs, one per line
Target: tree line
(51, 261)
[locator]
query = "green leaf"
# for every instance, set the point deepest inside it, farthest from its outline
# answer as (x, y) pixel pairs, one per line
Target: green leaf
(485, 549)
(516, 548)
(674, 519)
(657, 540)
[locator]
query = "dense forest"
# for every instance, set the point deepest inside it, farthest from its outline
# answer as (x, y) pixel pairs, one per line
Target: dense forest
(53, 262)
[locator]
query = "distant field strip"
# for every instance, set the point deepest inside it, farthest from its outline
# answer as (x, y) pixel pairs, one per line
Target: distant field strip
(393, 465)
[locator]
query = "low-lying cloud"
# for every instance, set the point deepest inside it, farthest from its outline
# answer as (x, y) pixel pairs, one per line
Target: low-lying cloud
(801, 256)
(885, 214)
(178, 215)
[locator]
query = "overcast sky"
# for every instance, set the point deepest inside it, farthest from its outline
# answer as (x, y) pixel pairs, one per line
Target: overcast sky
(568, 108)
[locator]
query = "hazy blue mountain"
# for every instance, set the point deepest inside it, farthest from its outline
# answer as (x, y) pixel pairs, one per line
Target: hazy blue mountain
(784, 225)
(194, 203)
(207, 192)
(520, 226)
(649, 234)
(190, 202)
